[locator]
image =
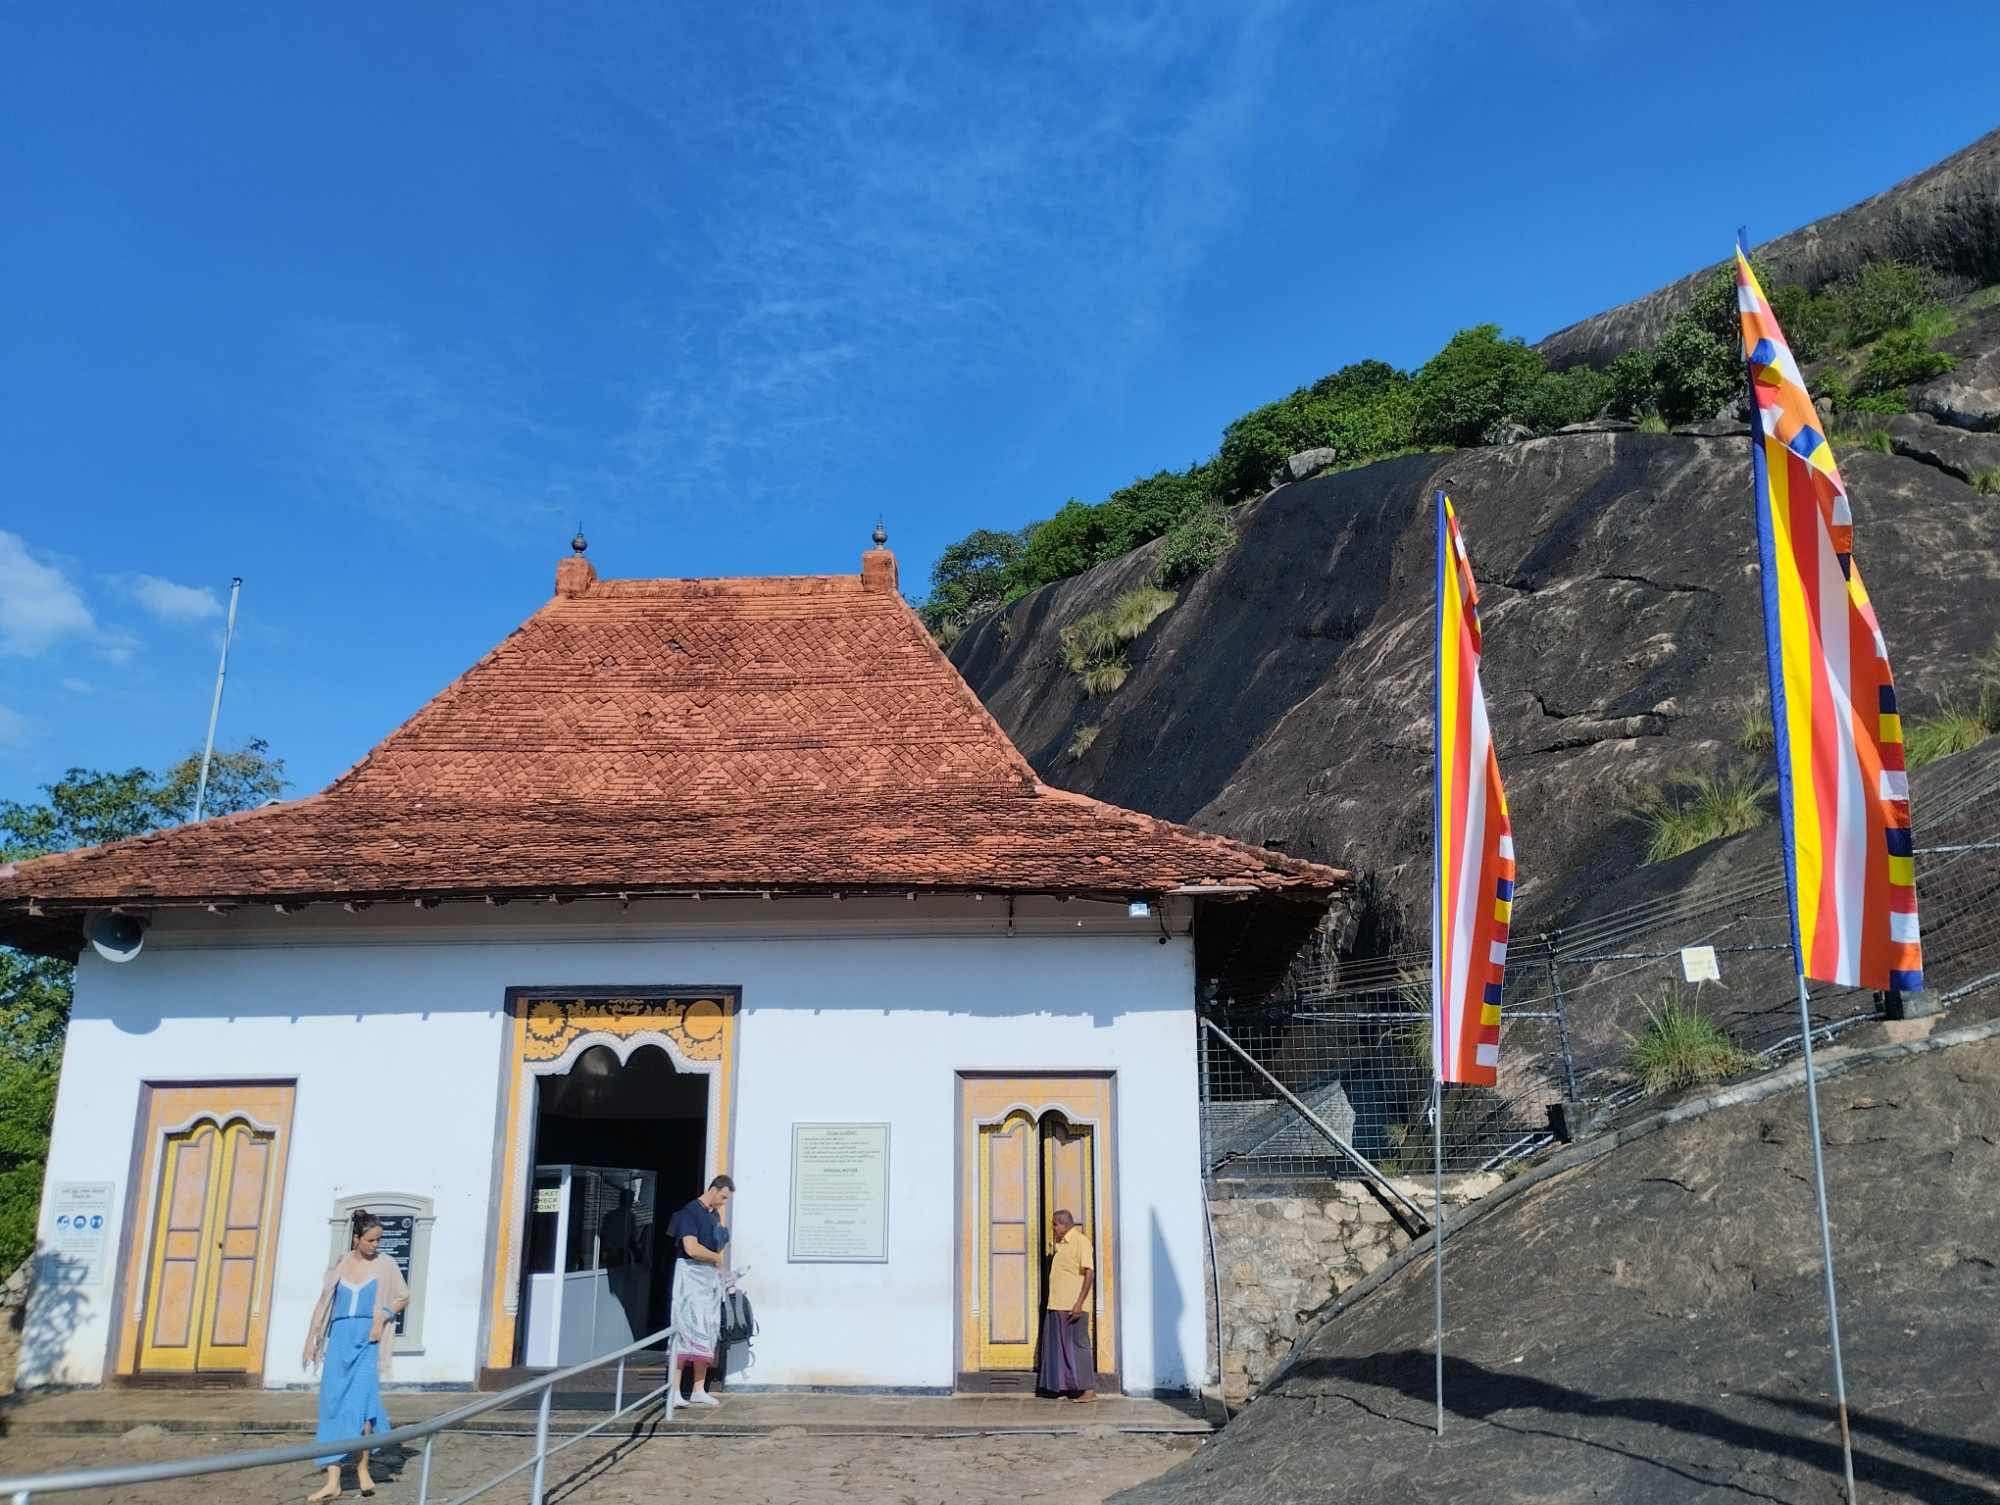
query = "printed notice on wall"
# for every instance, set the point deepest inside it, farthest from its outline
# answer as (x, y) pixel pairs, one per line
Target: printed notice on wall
(840, 1193)
(79, 1218)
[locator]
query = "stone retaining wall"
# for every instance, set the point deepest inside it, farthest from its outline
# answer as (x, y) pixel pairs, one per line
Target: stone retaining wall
(1283, 1259)
(13, 1307)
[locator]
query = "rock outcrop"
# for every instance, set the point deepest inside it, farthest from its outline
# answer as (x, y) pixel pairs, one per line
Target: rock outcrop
(1947, 218)
(1286, 699)
(1651, 1328)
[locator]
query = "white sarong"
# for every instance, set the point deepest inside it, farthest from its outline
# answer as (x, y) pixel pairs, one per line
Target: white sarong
(697, 1309)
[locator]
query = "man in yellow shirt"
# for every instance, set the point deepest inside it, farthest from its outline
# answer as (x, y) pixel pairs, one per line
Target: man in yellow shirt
(1069, 1358)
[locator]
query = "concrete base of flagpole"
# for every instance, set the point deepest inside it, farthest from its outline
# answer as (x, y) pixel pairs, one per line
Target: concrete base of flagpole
(1896, 1005)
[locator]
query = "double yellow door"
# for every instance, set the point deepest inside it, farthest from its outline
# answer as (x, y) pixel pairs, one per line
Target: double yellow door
(1028, 1168)
(203, 1308)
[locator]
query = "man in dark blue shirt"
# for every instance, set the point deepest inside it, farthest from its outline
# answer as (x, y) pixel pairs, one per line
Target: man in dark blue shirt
(699, 1238)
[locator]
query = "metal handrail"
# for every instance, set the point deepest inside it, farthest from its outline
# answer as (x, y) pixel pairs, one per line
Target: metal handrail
(23, 1490)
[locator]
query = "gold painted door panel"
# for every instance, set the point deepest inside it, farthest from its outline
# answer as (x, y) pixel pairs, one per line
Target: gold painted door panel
(202, 1286)
(196, 1266)
(1010, 1295)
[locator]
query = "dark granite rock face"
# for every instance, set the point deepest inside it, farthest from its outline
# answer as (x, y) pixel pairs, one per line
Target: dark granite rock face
(1958, 453)
(1288, 695)
(1968, 397)
(1651, 1328)
(1946, 218)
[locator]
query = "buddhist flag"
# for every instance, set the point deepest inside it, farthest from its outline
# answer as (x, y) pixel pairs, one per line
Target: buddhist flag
(1472, 899)
(1841, 778)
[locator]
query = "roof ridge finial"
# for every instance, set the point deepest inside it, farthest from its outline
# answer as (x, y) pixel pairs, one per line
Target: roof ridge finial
(881, 534)
(579, 543)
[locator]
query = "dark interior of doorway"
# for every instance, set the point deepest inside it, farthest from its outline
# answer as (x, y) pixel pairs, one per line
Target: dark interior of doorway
(641, 1115)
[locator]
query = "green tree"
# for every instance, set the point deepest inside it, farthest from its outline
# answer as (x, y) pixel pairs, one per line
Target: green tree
(1634, 384)
(971, 575)
(82, 808)
(1564, 397)
(1477, 382)
(1696, 374)
(1882, 296)
(1900, 357)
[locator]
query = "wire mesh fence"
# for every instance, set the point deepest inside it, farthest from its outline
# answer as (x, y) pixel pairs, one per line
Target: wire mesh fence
(1352, 1040)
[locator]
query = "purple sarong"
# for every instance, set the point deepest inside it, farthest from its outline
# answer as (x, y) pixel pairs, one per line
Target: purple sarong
(1068, 1360)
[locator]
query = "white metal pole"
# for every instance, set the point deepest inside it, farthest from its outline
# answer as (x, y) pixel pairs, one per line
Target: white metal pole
(215, 707)
(1826, 1239)
(1437, 1235)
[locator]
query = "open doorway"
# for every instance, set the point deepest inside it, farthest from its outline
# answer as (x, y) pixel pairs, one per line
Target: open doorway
(617, 1148)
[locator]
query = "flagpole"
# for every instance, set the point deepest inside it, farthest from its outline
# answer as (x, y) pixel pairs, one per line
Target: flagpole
(1437, 1239)
(215, 707)
(1826, 1239)
(1768, 557)
(1439, 1008)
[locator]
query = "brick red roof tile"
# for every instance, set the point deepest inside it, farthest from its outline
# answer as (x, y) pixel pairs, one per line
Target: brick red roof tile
(667, 735)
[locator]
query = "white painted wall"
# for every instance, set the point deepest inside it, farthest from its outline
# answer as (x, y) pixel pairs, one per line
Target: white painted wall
(392, 1028)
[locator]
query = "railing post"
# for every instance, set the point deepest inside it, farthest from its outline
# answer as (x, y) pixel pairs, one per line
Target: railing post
(618, 1394)
(424, 1473)
(1562, 1017)
(535, 1495)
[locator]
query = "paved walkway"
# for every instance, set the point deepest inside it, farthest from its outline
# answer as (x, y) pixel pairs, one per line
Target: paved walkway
(779, 1460)
(293, 1412)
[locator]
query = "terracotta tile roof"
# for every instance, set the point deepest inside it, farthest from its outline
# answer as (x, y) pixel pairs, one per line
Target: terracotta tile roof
(662, 735)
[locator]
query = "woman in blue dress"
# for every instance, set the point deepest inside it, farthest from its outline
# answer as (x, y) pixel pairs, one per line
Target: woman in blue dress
(357, 1310)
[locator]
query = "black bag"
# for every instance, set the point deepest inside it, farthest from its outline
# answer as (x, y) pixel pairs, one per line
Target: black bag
(739, 1322)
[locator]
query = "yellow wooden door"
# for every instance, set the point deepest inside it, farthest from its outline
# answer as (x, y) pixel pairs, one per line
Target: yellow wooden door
(1068, 1171)
(201, 1293)
(1010, 1269)
(1069, 1180)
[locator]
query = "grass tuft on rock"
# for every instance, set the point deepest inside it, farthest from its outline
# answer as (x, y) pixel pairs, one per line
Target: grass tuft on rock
(1863, 438)
(1084, 740)
(1105, 676)
(1093, 645)
(1951, 728)
(1682, 1047)
(1695, 810)
(1132, 613)
(1755, 734)
(1987, 482)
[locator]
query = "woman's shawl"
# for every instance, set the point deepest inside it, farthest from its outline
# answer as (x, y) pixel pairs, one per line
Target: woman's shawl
(390, 1292)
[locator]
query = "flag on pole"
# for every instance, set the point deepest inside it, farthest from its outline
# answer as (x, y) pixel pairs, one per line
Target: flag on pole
(1842, 782)
(1472, 897)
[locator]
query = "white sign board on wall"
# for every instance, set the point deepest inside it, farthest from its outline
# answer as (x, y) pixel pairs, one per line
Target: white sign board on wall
(79, 1217)
(840, 1193)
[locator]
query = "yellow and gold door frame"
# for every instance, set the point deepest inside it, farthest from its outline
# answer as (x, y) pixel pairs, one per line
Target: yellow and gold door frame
(548, 1030)
(194, 1282)
(1027, 1145)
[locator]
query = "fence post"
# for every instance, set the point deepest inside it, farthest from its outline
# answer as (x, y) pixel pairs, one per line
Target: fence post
(535, 1494)
(618, 1395)
(424, 1474)
(1208, 1211)
(1562, 1016)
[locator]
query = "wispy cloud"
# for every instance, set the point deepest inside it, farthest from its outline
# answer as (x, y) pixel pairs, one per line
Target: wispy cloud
(853, 216)
(39, 607)
(436, 437)
(13, 726)
(174, 603)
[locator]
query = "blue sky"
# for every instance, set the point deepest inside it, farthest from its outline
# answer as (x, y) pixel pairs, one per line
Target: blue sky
(370, 304)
